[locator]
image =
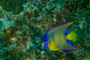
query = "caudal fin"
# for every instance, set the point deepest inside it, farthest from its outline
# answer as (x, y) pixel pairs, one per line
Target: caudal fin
(72, 36)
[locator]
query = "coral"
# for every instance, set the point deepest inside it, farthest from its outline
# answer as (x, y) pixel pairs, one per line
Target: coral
(5, 23)
(16, 5)
(21, 35)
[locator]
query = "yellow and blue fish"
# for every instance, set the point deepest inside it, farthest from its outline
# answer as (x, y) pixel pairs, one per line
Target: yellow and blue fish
(58, 38)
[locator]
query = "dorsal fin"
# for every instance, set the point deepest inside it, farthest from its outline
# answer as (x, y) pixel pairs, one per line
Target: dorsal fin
(66, 25)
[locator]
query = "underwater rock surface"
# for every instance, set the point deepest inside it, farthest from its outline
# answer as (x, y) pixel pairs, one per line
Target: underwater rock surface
(21, 34)
(16, 6)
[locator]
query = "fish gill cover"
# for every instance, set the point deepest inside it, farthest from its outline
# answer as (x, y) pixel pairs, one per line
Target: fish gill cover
(22, 34)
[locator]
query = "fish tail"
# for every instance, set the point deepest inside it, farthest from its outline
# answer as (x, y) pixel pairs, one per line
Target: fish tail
(72, 36)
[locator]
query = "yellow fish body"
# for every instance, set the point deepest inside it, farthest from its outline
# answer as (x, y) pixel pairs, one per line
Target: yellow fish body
(58, 38)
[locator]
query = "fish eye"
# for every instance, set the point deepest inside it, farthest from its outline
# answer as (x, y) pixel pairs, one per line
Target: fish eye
(46, 42)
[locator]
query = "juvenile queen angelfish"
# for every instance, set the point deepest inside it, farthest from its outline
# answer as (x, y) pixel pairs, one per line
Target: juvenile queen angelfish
(58, 38)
